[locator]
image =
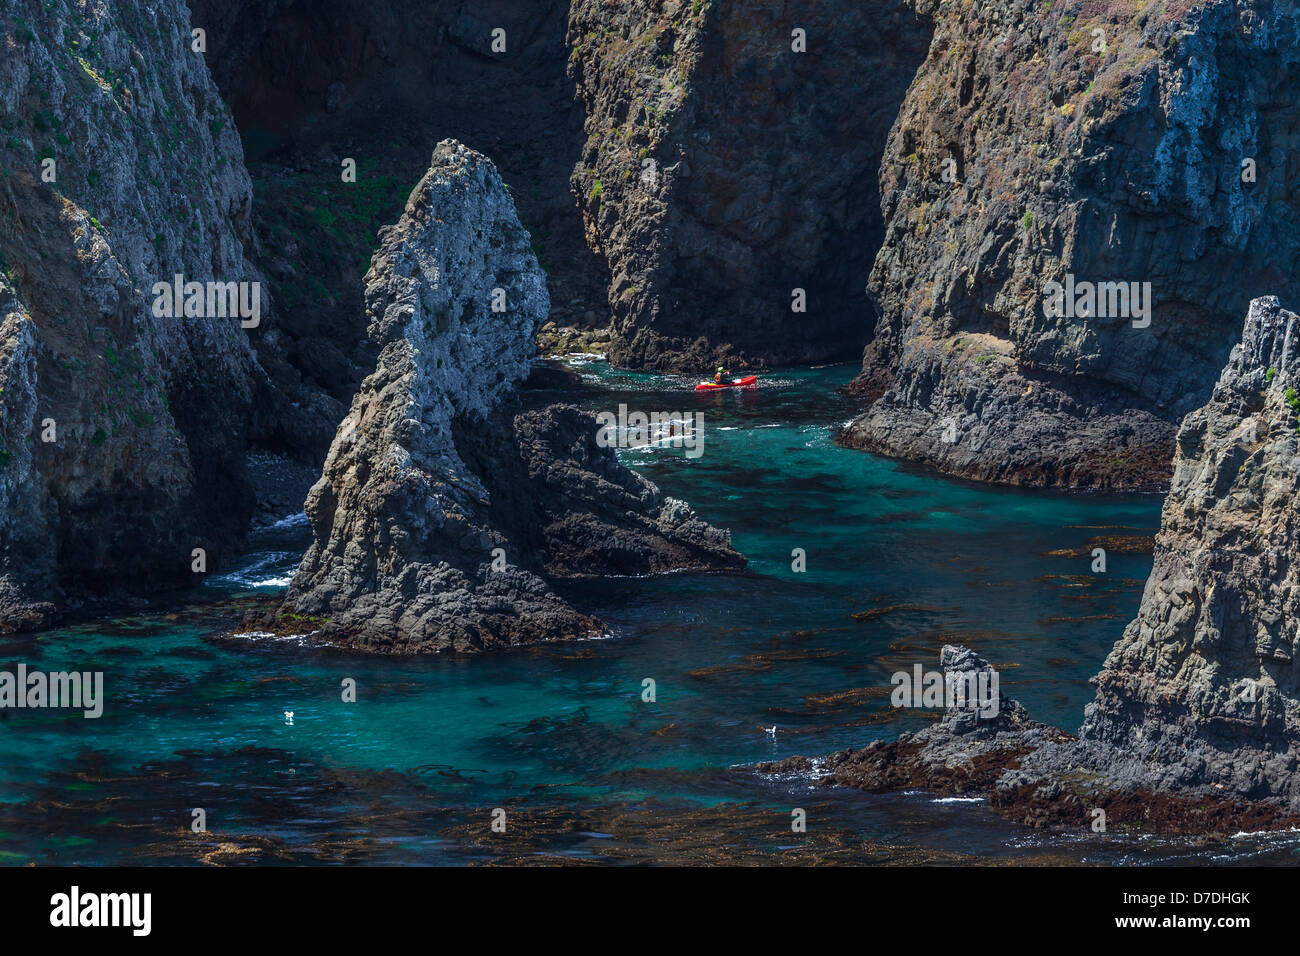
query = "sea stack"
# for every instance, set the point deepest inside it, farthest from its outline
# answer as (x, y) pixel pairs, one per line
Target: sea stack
(1202, 690)
(1196, 723)
(442, 506)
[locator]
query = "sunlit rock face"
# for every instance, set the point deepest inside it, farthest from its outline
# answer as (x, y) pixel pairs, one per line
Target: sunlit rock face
(1098, 142)
(1202, 689)
(122, 431)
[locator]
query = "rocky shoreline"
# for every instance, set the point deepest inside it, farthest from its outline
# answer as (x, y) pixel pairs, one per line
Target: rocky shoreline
(969, 410)
(1032, 774)
(1194, 724)
(689, 183)
(673, 222)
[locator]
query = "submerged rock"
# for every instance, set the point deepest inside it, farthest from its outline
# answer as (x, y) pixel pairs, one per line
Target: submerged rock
(442, 509)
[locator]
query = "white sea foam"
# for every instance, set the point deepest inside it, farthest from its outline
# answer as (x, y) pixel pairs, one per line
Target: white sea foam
(1248, 834)
(292, 521)
(266, 570)
(279, 638)
(817, 772)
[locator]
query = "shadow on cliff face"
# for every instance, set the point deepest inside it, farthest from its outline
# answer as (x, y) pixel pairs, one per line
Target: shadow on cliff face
(311, 84)
(104, 371)
(122, 425)
(731, 158)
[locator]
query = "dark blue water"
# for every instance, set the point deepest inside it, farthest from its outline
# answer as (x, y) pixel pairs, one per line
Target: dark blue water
(747, 667)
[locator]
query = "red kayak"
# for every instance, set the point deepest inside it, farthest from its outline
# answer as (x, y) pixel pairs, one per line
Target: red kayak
(738, 383)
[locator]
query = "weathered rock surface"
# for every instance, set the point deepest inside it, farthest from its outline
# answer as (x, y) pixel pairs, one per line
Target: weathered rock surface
(722, 170)
(966, 406)
(762, 173)
(1202, 689)
(1104, 140)
(432, 471)
(148, 415)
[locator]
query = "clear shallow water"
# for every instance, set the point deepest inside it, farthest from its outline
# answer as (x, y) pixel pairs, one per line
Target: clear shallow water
(748, 667)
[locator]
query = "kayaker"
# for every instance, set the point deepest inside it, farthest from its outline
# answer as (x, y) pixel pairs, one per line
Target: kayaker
(722, 373)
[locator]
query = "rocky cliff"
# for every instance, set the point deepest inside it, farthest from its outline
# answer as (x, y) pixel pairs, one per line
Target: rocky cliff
(121, 432)
(441, 510)
(714, 168)
(730, 159)
(1202, 688)
(1111, 142)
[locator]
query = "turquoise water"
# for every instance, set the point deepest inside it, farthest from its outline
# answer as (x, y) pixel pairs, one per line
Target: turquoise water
(747, 667)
